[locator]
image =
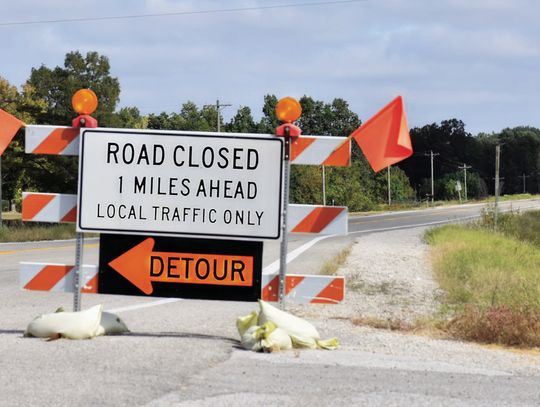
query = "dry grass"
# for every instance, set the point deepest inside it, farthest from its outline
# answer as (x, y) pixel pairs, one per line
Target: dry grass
(499, 324)
(330, 267)
(28, 233)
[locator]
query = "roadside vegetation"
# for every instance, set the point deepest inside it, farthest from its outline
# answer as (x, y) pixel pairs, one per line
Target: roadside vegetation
(491, 278)
(331, 266)
(19, 232)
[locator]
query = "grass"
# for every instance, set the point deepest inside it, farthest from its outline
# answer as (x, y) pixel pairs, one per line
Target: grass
(11, 216)
(492, 279)
(331, 266)
(34, 232)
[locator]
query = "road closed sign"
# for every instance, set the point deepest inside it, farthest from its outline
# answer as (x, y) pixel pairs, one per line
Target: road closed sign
(180, 183)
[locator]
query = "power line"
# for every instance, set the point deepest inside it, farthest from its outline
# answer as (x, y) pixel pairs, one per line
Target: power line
(180, 13)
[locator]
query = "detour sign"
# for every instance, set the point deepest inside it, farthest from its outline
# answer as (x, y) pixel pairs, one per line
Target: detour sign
(186, 268)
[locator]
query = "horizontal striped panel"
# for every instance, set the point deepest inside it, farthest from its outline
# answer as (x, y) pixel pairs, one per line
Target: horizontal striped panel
(307, 150)
(56, 277)
(324, 220)
(300, 289)
(56, 208)
(305, 289)
(321, 150)
(55, 140)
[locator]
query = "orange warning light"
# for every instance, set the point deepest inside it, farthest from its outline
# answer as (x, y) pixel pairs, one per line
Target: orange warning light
(288, 109)
(84, 101)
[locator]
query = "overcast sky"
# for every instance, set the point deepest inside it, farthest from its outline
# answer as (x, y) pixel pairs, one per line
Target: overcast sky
(475, 60)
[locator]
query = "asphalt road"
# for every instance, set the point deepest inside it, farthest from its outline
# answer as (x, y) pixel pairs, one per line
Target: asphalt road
(183, 352)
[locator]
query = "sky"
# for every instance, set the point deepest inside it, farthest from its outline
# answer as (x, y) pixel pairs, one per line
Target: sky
(474, 60)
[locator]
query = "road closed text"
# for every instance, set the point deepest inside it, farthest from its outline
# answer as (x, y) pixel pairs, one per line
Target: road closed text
(237, 158)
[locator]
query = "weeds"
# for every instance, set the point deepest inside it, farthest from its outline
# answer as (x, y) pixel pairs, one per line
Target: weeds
(25, 233)
(330, 267)
(498, 324)
(491, 279)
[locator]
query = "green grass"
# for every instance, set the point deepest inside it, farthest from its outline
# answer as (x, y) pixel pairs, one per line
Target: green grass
(484, 268)
(491, 279)
(32, 232)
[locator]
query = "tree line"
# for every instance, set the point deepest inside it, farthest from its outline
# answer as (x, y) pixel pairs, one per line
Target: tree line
(45, 98)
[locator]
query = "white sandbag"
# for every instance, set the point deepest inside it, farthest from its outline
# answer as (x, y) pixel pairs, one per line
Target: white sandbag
(303, 334)
(266, 338)
(111, 324)
(72, 325)
(243, 323)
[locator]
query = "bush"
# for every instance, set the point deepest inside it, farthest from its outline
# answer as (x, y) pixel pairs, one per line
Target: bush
(498, 324)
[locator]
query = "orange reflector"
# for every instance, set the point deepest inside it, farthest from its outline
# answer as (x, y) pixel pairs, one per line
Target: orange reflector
(288, 109)
(84, 101)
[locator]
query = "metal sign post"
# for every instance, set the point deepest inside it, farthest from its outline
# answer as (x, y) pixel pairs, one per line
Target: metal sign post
(284, 237)
(77, 272)
(288, 110)
(84, 102)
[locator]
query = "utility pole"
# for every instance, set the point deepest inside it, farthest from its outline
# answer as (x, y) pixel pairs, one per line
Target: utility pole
(219, 106)
(431, 154)
(524, 176)
(497, 165)
(465, 168)
(389, 189)
(218, 110)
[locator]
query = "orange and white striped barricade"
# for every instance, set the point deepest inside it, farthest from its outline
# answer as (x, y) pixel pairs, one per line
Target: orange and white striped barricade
(54, 208)
(321, 150)
(324, 220)
(305, 150)
(56, 277)
(55, 140)
(304, 289)
(300, 289)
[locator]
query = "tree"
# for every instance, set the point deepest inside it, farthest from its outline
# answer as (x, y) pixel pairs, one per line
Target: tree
(189, 118)
(454, 145)
(269, 121)
(17, 167)
(130, 118)
(242, 122)
(57, 86)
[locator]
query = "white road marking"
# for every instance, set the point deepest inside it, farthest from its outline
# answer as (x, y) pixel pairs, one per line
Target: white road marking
(145, 305)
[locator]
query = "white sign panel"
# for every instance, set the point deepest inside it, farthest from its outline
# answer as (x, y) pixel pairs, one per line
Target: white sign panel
(178, 183)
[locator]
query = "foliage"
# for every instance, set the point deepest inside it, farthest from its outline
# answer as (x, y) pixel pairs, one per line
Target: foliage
(491, 279)
(189, 118)
(130, 118)
(523, 226)
(36, 232)
(57, 86)
(497, 324)
(520, 156)
(242, 122)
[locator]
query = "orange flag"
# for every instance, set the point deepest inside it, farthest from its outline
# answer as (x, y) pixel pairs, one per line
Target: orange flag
(9, 126)
(384, 139)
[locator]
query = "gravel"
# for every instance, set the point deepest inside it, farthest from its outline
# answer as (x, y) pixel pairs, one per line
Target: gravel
(388, 277)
